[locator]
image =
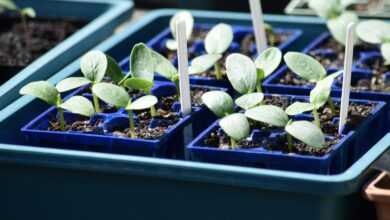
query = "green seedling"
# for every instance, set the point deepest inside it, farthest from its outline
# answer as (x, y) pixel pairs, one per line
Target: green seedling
(95, 65)
(172, 44)
(50, 94)
(311, 70)
(245, 75)
(24, 13)
(118, 97)
(336, 16)
(303, 131)
(376, 32)
(217, 42)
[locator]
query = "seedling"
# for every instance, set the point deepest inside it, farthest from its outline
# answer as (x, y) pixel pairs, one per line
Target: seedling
(311, 70)
(217, 42)
(186, 16)
(50, 94)
(245, 75)
(118, 97)
(94, 66)
(376, 32)
(304, 131)
(336, 16)
(24, 13)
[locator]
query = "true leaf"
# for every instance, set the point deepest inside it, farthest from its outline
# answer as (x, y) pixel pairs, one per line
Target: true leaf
(250, 100)
(305, 66)
(372, 31)
(220, 103)
(338, 26)
(269, 60)
(185, 16)
(268, 114)
(139, 84)
(71, 83)
(94, 65)
(111, 94)
(236, 126)
(242, 73)
(142, 103)
(306, 132)
(298, 108)
(142, 62)
(42, 90)
(219, 39)
(114, 71)
(79, 105)
(203, 63)
(385, 50)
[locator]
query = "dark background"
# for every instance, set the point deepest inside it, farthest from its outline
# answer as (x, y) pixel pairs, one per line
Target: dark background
(269, 6)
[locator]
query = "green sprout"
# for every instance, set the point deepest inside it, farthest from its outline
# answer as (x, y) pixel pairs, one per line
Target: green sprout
(311, 70)
(24, 13)
(303, 131)
(172, 44)
(50, 94)
(118, 97)
(217, 42)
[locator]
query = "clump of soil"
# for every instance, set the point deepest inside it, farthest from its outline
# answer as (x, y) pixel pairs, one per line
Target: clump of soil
(19, 48)
(81, 125)
(378, 81)
(280, 101)
(273, 39)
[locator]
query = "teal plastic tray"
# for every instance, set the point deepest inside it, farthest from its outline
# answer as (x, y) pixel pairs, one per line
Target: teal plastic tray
(42, 182)
(102, 16)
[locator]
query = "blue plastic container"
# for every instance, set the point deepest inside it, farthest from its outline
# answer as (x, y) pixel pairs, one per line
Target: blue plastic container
(50, 178)
(102, 18)
(352, 145)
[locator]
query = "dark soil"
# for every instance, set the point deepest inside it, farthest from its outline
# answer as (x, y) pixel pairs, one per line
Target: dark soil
(280, 101)
(19, 48)
(290, 78)
(196, 98)
(82, 125)
(378, 82)
(274, 39)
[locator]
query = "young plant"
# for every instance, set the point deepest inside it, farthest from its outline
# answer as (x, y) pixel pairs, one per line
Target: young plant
(304, 131)
(24, 13)
(94, 67)
(336, 16)
(217, 42)
(171, 44)
(376, 32)
(48, 93)
(311, 70)
(118, 97)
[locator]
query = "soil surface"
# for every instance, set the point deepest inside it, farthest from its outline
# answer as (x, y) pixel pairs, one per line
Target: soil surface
(290, 78)
(274, 40)
(20, 45)
(82, 125)
(378, 81)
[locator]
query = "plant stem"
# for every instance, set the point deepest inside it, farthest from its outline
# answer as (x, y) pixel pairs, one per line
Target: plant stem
(60, 113)
(24, 22)
(258, 86)
(131, 124)
(153, 112)
(290, 142)
(331, 106)
(217, 71)
(177, 84)
(316, 118)
(233, 143)
(96, 103)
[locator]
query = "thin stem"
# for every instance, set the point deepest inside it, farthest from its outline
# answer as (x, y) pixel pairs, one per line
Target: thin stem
(131, 124)
(153, 112)
(258, 86)
(217, 71)
(60, 113)
(290, 142)
(24, 22)
(316, 118)
(177, 84)
(331, 106)
(96, 102)
(233, 143)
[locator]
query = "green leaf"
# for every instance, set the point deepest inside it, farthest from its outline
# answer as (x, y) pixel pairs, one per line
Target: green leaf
(71, 83)
(250, 100)
(219, 39)
(28, 12)
(220, 103)
(242, 73)
(306, 132)
(203, 63)
(142, 62)
(269, 60)
(236, 126)
(338, 26)
(185, 16)
(94, 65)
(114, 71)
(326, 8)
(385, 50)
(171, 44)
(372, 31)
(268, 114)
(111, 94)
(298, 108)
(164, 67)
(305, 66)
(8, 5)
(42, 90)
(139, 84)
(79, 105)
(142, 103)
(321, 92)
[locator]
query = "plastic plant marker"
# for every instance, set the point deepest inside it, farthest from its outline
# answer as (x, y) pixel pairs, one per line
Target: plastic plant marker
(219, 102)
(258, 25)
(347, 76)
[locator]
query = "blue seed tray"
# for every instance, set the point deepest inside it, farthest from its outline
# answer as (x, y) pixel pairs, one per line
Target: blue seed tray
(102, 17)
(196, 48)
(354, 142)
(77, 177)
